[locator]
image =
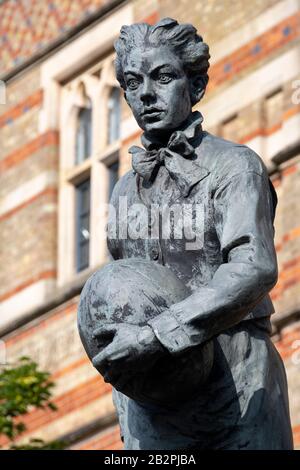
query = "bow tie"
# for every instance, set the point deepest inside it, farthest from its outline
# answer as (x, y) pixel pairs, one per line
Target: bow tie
(177, 157)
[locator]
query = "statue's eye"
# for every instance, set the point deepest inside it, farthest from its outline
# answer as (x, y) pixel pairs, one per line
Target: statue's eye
(132, 83)
(164, 77)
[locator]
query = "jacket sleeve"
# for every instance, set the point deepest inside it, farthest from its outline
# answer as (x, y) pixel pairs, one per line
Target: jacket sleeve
(244, 213)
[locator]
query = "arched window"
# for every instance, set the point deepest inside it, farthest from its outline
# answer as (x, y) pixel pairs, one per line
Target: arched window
(114, 112)
(84, 132)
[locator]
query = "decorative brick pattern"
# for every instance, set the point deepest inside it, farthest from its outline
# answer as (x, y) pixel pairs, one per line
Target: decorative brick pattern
(256, 50)
(10, 115)
(29, 27)
(47, 139)
(214, 19)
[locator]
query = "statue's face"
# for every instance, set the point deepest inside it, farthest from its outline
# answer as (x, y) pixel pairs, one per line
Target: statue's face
(157, 89)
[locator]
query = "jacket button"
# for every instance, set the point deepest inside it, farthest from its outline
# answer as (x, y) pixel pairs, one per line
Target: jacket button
(154, 253)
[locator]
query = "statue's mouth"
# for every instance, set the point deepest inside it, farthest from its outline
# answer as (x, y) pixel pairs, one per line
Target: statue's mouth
(152, 112)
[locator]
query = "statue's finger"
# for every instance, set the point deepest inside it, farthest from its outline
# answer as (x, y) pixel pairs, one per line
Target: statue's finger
(104, 331)
(101, 360)
(112, 375)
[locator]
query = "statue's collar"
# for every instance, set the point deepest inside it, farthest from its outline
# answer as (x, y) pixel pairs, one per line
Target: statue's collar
(192, 130)
(185, 171)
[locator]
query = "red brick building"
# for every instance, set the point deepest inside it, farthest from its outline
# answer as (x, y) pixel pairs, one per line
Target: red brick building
(64, 133)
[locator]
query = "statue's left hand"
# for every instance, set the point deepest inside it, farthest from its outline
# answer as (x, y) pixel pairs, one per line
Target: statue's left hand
(132, 348)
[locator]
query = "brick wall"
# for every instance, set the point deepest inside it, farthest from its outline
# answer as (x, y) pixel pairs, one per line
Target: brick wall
(105, 440)
(286, 294)
(28, 211)
(29, 162)
(288, 345)
(214, 19)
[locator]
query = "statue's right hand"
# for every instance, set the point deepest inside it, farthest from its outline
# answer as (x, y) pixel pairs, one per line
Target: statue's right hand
(132, 349)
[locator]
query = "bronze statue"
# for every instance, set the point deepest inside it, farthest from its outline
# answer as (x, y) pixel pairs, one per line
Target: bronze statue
(179, 322)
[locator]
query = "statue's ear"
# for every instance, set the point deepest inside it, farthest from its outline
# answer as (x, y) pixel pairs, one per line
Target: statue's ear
(197, 86)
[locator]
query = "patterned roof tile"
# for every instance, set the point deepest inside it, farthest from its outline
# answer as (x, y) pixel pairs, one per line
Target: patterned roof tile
(28, 26)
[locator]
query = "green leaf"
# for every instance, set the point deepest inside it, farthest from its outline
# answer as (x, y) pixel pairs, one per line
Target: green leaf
(23, 386)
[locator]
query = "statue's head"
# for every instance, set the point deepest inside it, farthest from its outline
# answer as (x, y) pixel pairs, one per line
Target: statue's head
(163, 71)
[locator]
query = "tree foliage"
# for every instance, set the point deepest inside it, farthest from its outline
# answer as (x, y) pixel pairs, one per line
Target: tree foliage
(22, 387)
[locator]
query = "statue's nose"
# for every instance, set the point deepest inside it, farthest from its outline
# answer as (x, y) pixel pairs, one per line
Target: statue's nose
(147, 93)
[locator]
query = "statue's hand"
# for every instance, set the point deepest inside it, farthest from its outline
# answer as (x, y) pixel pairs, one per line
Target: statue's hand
(132, 348)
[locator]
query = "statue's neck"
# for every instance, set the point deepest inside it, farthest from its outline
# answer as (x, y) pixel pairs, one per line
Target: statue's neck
(163, 135)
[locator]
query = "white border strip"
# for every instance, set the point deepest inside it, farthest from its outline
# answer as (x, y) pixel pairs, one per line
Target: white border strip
(16, 306)
(26, 191)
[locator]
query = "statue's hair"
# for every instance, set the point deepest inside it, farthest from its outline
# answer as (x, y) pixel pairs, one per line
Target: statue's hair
(182, 38)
